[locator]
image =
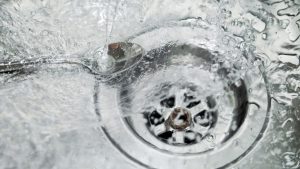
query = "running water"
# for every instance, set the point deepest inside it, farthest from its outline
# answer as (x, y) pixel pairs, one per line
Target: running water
(243, 53)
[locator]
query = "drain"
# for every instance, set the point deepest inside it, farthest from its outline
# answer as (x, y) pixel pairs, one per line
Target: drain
(180, 110)
(194, 119)
(175, 113)
(181, 103)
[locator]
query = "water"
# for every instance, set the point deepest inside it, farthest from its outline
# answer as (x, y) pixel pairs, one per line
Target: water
(233, 66)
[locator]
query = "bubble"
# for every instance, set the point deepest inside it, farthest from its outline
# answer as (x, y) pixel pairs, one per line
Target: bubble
(210, 138)
(284, 23)
(238, 83)
(45, 33)
(264, 36)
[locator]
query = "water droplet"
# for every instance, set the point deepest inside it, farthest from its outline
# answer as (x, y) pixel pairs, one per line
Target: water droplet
(256, 23)
(234, 126)
(210, 138)
(45, 33)
(264, 36)
(284, 23)
(238, 83)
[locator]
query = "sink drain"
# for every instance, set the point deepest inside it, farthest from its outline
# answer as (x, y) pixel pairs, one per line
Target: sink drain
(182, 107)
(182, 110)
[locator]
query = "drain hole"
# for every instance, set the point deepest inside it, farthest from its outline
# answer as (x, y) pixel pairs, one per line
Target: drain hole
(182, 117)
(166, 135)
(192, 104)
(191, 137)
(169, 102)
(203, 118)
(155, 118)
(202, 114)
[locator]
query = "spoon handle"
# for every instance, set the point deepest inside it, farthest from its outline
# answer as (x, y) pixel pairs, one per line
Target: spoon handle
(10, 67)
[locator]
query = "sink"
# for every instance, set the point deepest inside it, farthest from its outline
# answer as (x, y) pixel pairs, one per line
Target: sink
(156, 84)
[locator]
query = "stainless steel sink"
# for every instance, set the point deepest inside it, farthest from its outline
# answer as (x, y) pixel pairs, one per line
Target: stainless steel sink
(149, 84)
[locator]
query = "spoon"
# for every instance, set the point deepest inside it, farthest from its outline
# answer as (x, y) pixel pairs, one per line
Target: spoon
(119, 57)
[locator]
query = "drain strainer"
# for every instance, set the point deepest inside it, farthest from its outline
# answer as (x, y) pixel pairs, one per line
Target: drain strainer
(183, 107)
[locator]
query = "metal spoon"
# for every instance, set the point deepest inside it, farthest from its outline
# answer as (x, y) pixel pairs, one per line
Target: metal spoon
(120, 56)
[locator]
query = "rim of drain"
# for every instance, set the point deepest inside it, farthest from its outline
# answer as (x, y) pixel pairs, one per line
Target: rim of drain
(141, 151)
(183, 92)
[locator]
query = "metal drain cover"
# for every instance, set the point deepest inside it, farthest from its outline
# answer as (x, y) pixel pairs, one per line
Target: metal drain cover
(180, 107)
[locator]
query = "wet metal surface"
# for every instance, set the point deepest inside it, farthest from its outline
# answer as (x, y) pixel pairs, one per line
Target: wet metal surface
(152, 83)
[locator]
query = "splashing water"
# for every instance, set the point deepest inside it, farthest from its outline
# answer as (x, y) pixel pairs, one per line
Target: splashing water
(198, 54)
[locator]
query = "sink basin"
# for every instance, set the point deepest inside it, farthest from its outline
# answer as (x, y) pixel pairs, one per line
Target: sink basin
(156, 84)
